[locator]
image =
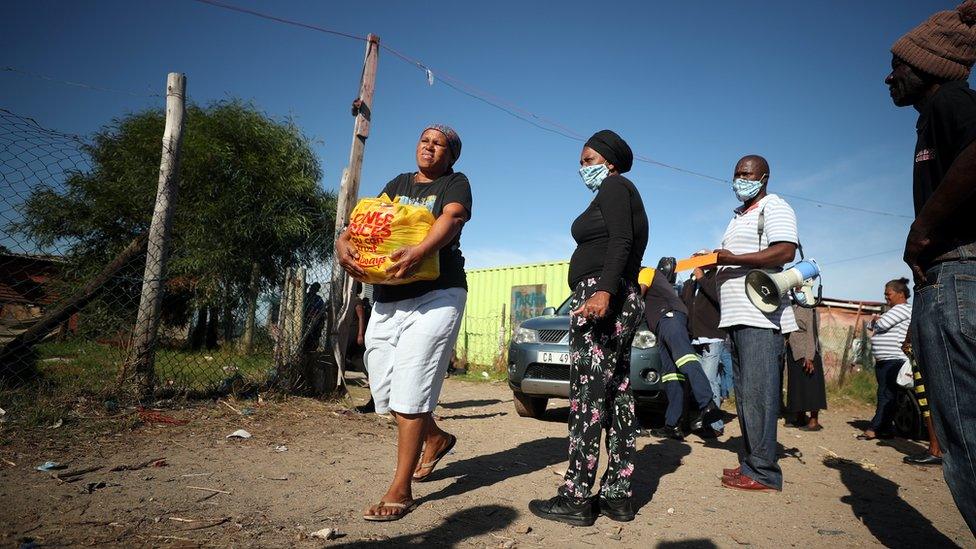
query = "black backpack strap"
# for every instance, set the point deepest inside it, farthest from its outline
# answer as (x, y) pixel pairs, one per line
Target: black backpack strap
(761, 224)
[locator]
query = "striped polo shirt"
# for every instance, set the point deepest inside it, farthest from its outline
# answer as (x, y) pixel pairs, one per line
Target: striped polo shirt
(890, 330)
(742, 237)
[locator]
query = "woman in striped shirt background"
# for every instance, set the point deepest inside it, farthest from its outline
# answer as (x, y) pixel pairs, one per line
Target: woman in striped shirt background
(889, 330)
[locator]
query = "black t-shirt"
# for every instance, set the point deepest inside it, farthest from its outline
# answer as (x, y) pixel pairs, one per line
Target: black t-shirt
(449, 188)
(661, 298)
(946, 126)
(610, 235)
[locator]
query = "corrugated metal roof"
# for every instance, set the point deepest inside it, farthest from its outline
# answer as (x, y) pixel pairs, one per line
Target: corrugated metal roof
(853, 305)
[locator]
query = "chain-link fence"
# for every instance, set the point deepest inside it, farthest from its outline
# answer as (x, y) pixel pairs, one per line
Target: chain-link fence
(844, 344)
(483, 341)
(243, 302)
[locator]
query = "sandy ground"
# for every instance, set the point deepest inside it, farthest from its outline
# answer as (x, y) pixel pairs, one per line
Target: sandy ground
(313, 465)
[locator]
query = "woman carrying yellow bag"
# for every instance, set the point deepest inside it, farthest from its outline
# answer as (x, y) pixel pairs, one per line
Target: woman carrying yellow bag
(378, 227)
(414, 326)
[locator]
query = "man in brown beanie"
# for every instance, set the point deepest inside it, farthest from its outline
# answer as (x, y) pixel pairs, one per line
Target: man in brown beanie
(929, 70)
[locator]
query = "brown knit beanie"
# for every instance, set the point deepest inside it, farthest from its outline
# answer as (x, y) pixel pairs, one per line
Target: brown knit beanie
(943, 46)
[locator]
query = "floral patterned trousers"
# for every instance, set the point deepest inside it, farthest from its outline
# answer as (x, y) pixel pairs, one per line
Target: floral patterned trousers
(600, 396)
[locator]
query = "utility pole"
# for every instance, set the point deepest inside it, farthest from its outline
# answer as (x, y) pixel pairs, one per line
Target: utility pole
(150, 302)
(342, 284)
(363, 111)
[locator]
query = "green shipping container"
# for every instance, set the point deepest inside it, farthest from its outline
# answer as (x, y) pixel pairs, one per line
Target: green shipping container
(501, 297)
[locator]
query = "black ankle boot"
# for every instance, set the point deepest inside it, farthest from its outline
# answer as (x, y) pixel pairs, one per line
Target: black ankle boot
(562, 509)
(620, 509)
(706, 416)
(672, 432)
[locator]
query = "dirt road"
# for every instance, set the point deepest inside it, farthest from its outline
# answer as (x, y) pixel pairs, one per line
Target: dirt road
(311, 465)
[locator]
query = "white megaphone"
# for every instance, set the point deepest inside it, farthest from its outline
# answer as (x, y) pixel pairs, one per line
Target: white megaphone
(766, 290)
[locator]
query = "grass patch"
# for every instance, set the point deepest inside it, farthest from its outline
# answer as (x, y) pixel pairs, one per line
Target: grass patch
(859, 387)
(78, 373)
(484, 372)
(201, 370)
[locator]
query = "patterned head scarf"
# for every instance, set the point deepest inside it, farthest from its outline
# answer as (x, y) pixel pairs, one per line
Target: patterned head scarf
(453, 141)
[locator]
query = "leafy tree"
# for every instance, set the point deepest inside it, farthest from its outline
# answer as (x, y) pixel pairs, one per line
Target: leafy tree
(249, 206)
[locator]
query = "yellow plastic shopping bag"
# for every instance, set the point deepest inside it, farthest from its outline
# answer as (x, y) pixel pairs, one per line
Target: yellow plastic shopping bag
(380, 226)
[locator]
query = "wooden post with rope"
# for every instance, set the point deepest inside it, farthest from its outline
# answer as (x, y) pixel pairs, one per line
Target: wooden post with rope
(341, 305)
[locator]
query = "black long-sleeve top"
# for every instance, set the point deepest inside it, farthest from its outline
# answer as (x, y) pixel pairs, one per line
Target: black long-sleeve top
(701, 298)
(610, 235)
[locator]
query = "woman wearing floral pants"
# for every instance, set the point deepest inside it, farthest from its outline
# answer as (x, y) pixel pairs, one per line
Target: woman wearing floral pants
(600, 396)
(611, 235)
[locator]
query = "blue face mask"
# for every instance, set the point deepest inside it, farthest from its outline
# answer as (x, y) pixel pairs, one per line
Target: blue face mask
(745, 188)
(594, 175)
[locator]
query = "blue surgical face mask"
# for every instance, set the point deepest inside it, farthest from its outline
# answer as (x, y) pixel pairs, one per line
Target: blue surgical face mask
(594, 175)
(746, 189)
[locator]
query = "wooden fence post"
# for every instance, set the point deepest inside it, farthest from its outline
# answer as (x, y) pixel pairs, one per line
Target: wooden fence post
(150, 302)
(847, 349)
(281, 328)
(466, 358)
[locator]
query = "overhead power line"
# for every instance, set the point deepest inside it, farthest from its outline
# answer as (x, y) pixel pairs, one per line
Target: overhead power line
(458, 85)
(280, 19)
(865, 256)
(844, 206)
(15, 70)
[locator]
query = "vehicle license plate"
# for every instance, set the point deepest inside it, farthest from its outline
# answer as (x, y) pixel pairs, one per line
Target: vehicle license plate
(547, 357)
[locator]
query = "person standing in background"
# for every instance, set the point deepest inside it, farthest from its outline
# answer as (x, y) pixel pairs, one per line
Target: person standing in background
(727, 379)
(930, 66)
(806, 392)
(314, 318)
(667, 318)
(933, 454)
(700, 296)
(889, 330)
(364, 307)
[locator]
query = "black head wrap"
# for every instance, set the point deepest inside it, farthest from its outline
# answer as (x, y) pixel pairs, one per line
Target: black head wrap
(613, 148)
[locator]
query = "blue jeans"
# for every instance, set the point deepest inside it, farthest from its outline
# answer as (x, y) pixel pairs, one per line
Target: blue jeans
(757, 360)
(944, 340)
(886, 372)
(727, 380)
(711, 363)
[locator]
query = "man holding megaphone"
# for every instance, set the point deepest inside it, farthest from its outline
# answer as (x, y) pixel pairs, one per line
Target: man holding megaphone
(761, 235)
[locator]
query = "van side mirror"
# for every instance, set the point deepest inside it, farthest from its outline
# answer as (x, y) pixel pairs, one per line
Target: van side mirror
(548, 311)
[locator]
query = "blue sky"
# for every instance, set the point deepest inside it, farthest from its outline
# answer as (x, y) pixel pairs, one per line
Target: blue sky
(692, 84)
